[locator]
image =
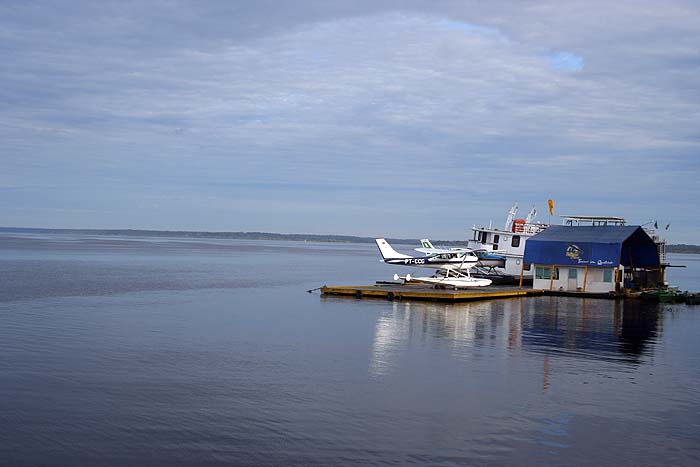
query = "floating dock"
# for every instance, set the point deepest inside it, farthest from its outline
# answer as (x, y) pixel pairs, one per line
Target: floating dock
(426, 292)
(397, 291)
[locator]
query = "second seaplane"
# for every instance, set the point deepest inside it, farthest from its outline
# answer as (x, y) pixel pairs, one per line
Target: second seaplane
(452, 265)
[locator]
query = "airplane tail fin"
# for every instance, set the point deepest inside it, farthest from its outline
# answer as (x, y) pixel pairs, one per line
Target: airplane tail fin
(387, 251)
(426, 243)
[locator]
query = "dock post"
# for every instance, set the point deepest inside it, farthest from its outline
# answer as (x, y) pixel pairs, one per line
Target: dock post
(585, 276)
(551, 277)
(522, 268)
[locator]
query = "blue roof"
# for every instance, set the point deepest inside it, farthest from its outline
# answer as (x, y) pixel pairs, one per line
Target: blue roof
(604, 246)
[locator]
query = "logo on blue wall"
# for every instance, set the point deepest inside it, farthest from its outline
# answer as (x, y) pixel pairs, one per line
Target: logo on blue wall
(573, 251)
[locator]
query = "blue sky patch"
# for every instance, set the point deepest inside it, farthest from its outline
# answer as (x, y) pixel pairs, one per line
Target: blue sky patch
(566, 61)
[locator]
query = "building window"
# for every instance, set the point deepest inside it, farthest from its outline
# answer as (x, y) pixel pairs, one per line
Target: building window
(540, 272)
(516, 241)
(607, 275)
(544, 272)
(573, 273)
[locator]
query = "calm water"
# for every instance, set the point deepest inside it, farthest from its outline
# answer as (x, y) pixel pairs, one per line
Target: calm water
(119, 351)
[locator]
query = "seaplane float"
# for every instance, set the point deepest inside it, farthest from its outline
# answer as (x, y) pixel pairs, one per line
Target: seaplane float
(452, 265)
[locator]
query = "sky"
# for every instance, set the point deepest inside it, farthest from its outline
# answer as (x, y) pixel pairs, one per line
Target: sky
(373, 118)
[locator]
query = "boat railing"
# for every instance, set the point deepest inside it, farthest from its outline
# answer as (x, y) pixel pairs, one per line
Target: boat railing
(660, 244)
(532, 229)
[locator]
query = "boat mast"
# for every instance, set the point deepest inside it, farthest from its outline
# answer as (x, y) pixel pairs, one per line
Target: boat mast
(531, 215)
(511, 217)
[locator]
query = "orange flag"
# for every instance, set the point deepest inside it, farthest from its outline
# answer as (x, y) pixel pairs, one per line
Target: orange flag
(551, 206)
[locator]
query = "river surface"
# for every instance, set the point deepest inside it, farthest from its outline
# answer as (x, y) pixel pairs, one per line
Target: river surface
(165, 351)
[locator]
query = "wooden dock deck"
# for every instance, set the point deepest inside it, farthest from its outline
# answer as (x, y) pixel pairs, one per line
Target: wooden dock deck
(396, 291)
(426, 292)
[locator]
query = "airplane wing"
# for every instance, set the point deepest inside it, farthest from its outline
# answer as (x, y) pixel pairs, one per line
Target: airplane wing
(491, 252)
(430, 250)
(434, 251)
(442, 251)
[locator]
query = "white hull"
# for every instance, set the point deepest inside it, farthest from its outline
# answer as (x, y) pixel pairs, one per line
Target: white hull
(513, 254)
(514, 264)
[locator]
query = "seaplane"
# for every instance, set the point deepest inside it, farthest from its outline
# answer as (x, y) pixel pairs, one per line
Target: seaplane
(487, 258)
(452, 265)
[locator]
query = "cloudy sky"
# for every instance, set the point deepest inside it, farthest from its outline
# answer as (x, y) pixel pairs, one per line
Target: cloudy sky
(370, 117)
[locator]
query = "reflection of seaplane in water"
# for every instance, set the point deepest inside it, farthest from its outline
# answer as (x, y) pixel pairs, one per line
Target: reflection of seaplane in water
(452, 264)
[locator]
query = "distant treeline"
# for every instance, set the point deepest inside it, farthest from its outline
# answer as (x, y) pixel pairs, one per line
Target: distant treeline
(221, 235)
(682, 248)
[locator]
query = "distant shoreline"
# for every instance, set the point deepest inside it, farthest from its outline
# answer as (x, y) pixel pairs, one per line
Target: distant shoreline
(676, 248)
(219, 235)
(683, 248)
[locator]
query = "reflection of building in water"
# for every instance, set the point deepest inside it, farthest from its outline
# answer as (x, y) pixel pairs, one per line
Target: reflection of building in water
(640, 324)
(589, 328)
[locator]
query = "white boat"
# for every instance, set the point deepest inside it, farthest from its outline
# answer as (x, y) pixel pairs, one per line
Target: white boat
(508, 242)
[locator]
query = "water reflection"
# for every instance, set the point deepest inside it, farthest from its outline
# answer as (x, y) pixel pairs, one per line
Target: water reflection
(641, 326)
(583, 328)
(598, 329)
(390, 335)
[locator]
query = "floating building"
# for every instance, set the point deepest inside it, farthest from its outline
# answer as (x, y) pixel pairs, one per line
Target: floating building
(594, 259)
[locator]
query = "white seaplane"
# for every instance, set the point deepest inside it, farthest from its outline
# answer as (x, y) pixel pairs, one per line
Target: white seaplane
(487, 258)
(452, 265)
